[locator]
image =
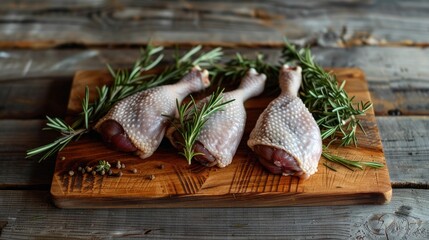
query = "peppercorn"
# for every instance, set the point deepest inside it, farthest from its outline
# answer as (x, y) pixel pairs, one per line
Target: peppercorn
(88, 169)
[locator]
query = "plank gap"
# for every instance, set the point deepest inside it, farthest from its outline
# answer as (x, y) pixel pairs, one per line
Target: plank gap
(43, 45)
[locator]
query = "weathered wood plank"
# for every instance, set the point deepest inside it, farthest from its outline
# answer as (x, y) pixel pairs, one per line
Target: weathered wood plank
(406, 148)
(29, 215)
(15, 170)
(29, 98)
(398, 77)
(50, 23)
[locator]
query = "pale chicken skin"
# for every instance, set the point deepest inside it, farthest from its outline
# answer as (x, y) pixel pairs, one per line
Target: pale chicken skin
(286, 137)
(220, 136)
(138, 123)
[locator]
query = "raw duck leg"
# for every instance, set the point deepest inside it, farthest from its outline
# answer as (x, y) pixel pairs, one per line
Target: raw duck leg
(222, 133)
(286, 137)
(136, 123)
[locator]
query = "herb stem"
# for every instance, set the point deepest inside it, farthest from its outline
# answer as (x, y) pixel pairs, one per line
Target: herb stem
(350, 164)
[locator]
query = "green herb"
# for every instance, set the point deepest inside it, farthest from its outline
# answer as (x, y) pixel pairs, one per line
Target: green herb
(334, 111)
(236, 68)
(125, 83)
(349, 164)
(329, 167)
(192, 118)
(102, 166)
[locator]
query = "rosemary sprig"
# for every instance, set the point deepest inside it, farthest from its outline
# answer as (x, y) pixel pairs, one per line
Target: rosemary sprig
(329, 103)
(349, 164)
(192, 118)
(236, 68)
(125, 83)
(67, 132)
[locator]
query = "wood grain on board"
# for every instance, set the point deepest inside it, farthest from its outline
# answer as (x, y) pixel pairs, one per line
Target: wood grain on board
(244, 183)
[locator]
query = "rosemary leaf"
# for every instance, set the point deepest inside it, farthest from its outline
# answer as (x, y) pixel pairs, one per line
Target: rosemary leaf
(330, 167)
(372, 164)
(85, 107)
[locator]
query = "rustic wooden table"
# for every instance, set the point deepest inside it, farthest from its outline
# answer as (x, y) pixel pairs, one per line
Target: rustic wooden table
(43, 43)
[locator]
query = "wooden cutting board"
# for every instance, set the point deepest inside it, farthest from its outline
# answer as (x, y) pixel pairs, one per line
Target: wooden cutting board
(166, 180)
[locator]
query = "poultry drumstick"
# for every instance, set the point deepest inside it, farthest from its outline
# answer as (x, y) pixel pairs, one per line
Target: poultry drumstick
(286, 137)
(220, 136)
(136, 123)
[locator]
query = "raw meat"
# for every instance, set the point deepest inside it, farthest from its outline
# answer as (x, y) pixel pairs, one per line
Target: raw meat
(136, 123)
(286, 137)
(221, 134)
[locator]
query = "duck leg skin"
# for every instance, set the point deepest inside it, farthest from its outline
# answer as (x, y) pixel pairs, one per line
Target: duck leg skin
(220, 136)
(136, 123)
(286, 137)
